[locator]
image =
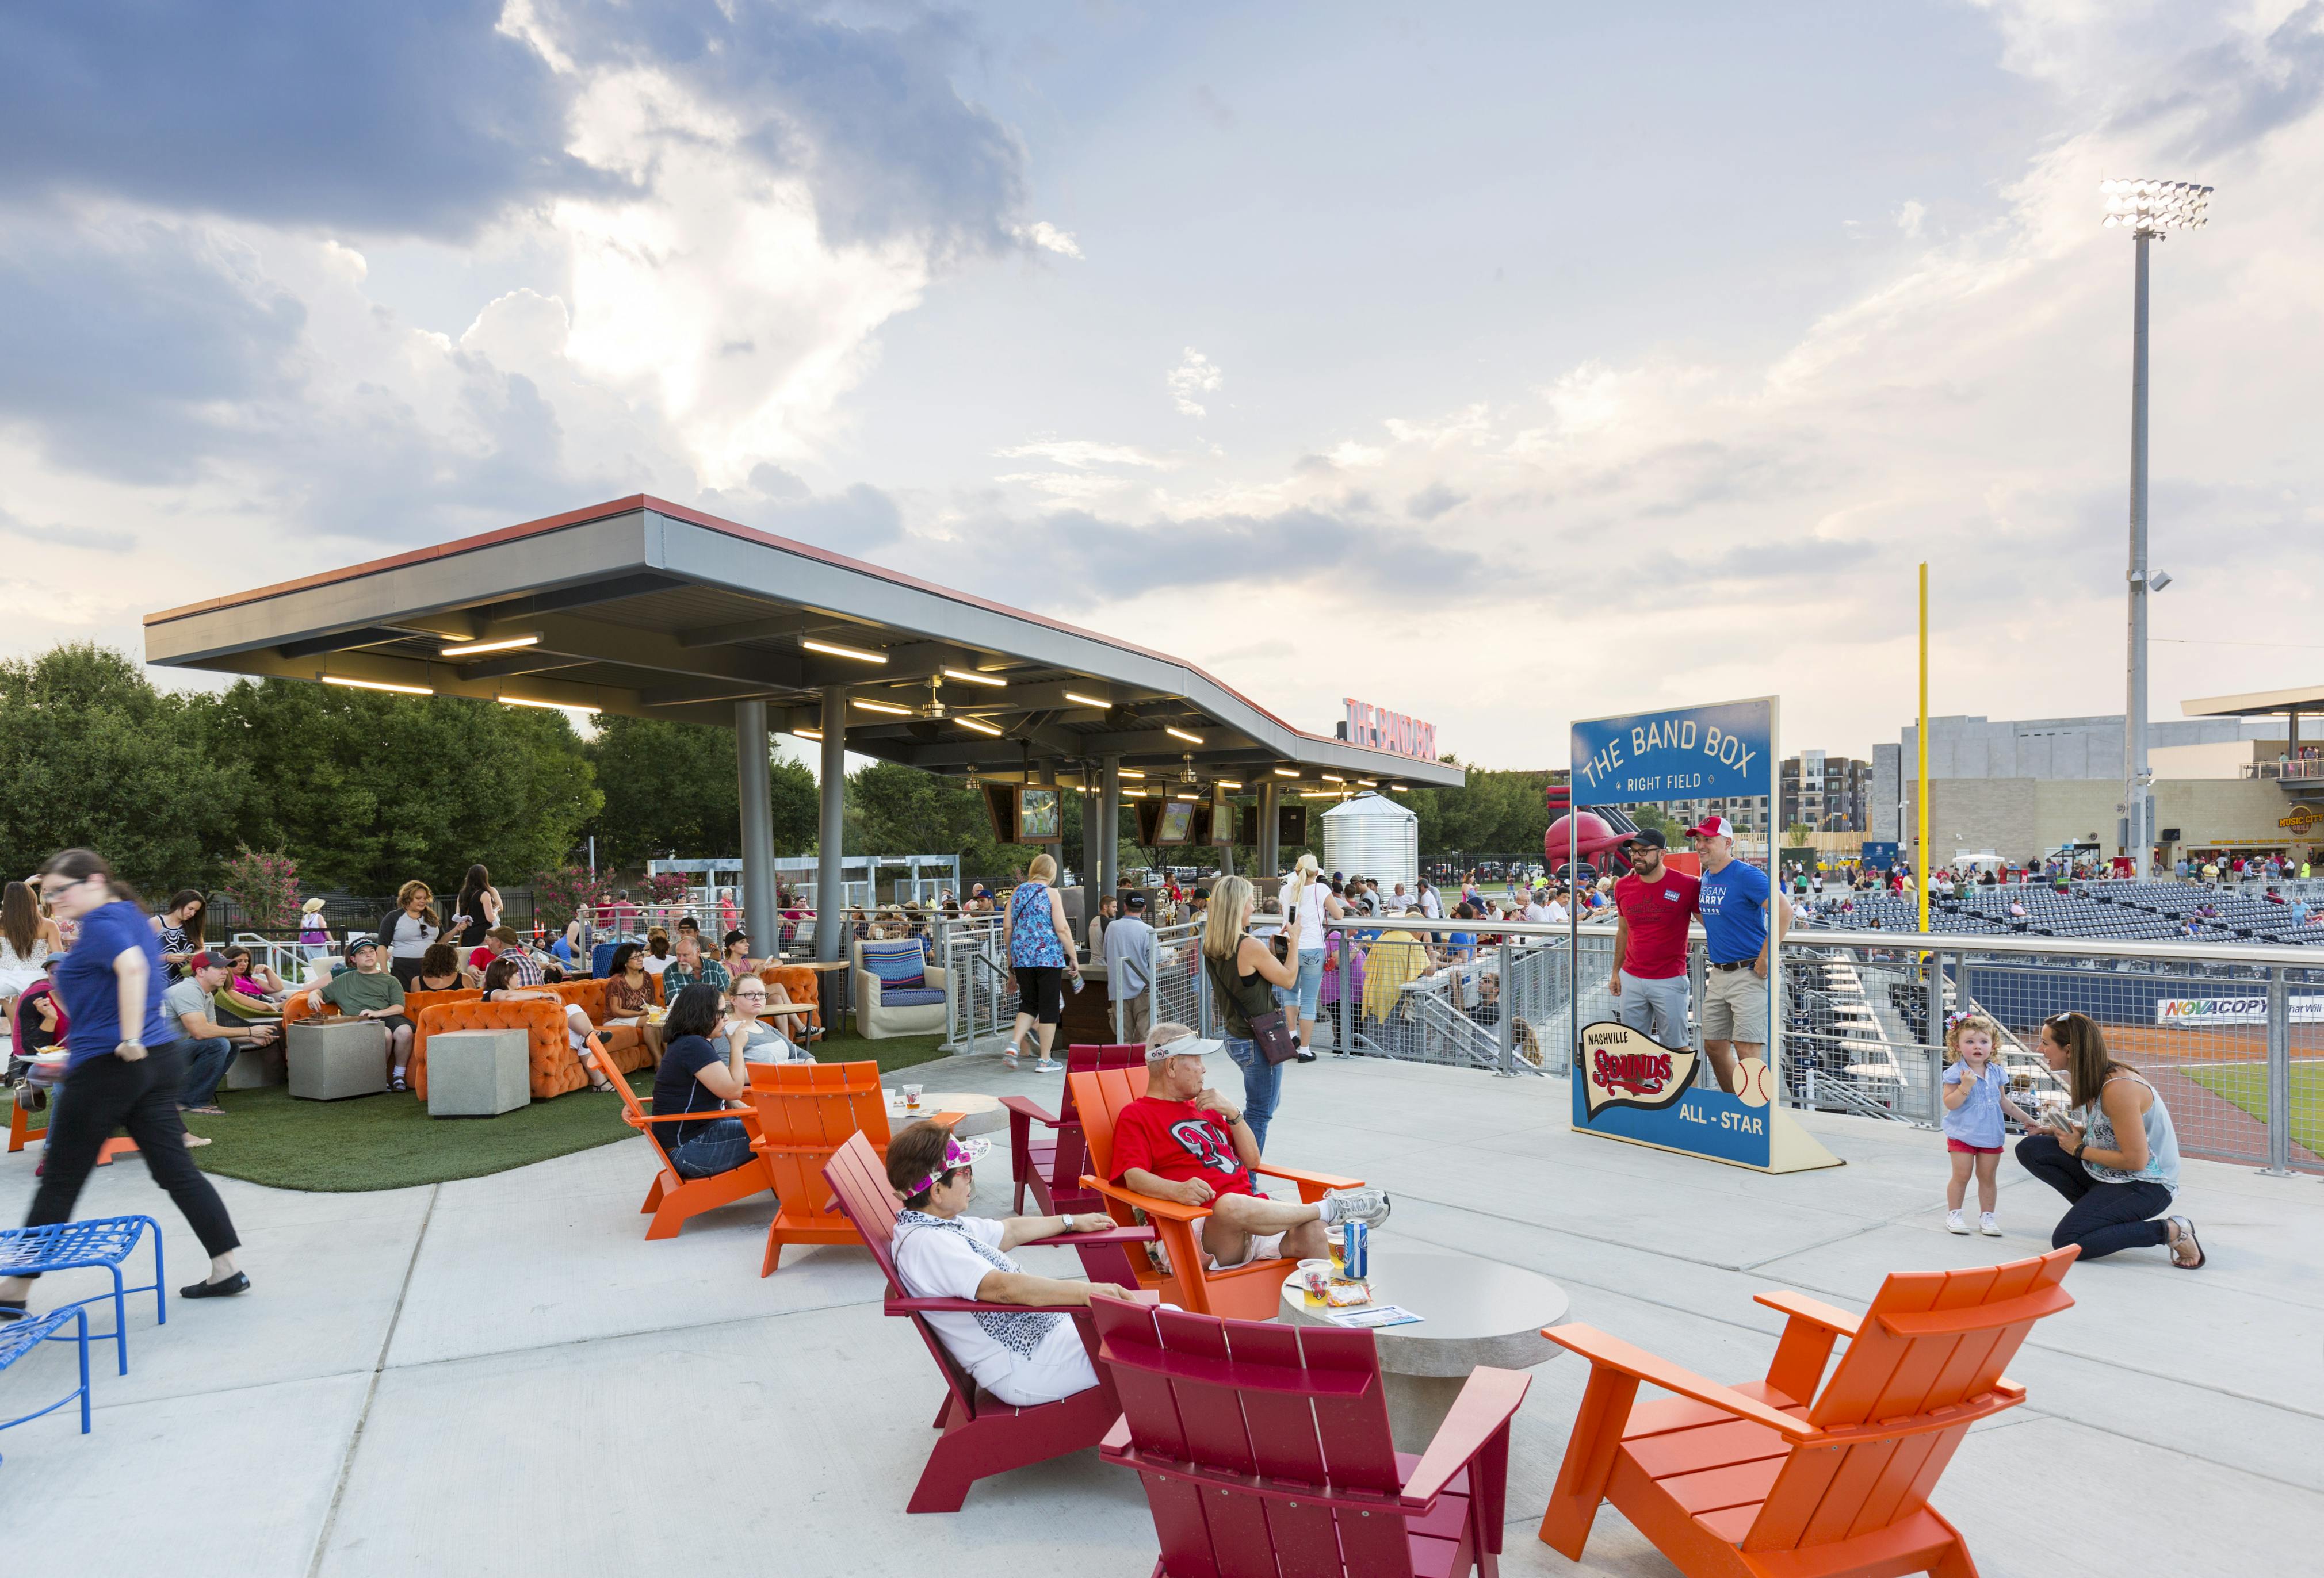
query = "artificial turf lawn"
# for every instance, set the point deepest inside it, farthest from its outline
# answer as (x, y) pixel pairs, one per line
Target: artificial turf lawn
(389, 1141)
(2246, 1085)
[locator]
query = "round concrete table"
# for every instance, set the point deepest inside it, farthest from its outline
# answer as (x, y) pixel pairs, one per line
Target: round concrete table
(1477, 1312)
(979, 1114)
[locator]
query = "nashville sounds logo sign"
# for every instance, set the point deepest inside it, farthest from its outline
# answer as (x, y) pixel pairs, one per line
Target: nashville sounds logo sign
(1624, 1068)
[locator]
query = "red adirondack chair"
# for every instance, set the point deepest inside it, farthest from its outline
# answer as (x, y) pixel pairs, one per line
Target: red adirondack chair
(1768, 1478)
(1265, 1448)
(1051, 1166)
(982, 1436)
(672, 1198)
(1252, 1292)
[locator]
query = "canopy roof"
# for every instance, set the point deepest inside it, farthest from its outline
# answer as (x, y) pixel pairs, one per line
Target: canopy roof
(649, 609)
(2258, 703)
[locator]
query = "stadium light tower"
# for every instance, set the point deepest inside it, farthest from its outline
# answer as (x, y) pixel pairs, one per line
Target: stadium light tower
(2149, 210)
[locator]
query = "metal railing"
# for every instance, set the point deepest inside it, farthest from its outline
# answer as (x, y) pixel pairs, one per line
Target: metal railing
(2304, 767)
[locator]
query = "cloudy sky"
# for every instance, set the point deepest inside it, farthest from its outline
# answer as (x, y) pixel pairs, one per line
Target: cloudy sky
(1499, 363)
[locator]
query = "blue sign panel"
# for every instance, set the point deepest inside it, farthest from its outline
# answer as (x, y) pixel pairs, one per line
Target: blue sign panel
(1705, 1121)
(1722, 751)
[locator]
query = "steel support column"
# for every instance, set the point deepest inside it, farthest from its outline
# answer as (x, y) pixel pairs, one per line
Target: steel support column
(760, 915)
(1108, 823)
(830, 896)
(1270, 852)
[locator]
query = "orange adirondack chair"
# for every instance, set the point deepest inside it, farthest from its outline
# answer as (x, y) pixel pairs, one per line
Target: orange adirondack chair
(1051, 1167)
(1250, 1292)
(672, 1198)
(1768, 1478)
(806, 1112)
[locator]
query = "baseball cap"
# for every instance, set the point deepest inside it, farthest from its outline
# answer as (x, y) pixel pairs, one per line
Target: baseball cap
(1652, 836)
(1135, 901)
(210, 960)
(1712, 827)
(1166, 1041)
(357, 944)
(503, 934)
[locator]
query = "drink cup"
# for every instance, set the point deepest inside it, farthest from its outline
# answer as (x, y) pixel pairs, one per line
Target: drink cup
(912, 1096)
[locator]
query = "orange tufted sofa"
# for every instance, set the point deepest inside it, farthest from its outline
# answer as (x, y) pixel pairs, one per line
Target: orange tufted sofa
(294, 1007)
(555, 1069)
(803, 984)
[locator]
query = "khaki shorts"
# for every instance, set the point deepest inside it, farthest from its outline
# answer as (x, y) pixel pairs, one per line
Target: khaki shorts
(1734, 1007)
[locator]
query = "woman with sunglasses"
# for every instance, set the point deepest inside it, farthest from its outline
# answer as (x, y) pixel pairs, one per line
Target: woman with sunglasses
(124, 1071)
(2113, 1153)
(940, 1253)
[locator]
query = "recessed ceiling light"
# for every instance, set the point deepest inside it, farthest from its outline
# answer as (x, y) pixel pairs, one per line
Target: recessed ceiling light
(376, 684)
(833, 648)
(471, 648)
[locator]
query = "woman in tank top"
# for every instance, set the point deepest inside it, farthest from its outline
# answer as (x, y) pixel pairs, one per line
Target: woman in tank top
(27, 937)
(1305, 894)
(2113, 1153)
(1247, 978)
(1034, 936)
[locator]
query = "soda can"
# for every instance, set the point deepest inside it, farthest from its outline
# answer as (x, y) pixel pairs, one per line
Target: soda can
(1358, 1250)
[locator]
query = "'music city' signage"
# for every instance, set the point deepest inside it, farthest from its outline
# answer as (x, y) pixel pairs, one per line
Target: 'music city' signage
(1382, 729)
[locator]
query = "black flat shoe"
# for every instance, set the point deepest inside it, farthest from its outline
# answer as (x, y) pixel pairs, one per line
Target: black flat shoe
(11, 1309)
(237, 1283)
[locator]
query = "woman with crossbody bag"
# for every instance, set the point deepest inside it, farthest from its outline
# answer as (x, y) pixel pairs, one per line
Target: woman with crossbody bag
(1244, 972)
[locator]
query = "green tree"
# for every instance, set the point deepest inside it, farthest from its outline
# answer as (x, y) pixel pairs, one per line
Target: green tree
(367, 791)
(672, 789)
(91, 755)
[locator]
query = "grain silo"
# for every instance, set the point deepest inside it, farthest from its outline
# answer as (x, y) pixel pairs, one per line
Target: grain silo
(1373, 836)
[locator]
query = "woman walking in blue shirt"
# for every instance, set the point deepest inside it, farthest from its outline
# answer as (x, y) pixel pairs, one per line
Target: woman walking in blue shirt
(1035, 934)
(124, 1071)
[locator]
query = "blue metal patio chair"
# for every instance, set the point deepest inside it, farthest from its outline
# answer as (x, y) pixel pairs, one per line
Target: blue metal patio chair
(105, 1242)
(21, 1337)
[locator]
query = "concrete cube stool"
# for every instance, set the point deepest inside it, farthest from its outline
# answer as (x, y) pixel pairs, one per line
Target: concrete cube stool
(256, 1066)
(478, 1073)
(331, 1060)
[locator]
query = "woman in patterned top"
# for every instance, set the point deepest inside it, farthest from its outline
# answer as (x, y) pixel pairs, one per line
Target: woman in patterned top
(1023, 1360)
(1034, 935)
(177, 930)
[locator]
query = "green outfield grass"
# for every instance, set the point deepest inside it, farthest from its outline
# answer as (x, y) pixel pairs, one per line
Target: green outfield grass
(2246, 1085)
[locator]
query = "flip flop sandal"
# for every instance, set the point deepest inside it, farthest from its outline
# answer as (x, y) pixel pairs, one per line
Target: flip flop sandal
(397, 1084)
(2187, 1235)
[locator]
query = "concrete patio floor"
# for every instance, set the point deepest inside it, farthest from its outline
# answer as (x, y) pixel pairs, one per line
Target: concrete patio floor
(500, 1376)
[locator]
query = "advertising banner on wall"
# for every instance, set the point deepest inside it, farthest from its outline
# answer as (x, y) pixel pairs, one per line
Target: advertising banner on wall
(1628, 1084)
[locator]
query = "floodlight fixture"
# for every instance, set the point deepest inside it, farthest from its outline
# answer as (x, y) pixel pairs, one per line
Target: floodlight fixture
(2154, 208)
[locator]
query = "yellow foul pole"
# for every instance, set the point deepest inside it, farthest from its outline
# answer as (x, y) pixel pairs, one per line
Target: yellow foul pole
(1921, 850)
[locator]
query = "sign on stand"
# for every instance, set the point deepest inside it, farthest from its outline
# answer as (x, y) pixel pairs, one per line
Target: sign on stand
(1626, 1085)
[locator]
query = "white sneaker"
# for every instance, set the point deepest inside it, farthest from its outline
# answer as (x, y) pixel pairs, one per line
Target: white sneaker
(1988, 1226)
(1367, 1206)
(1954, 1222)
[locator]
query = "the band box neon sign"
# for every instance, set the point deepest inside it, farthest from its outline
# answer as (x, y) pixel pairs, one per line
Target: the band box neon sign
(1397, 732)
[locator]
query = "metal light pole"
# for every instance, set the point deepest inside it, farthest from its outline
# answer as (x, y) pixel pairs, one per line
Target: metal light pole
(2148, 209)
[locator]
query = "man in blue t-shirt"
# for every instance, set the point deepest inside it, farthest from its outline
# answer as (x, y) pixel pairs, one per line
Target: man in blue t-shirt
(1735, 899)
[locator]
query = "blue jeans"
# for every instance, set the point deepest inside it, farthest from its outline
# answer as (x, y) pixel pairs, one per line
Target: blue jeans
(1311, 980)
(1263, 1082)
(206, 1061)
(722, 1147)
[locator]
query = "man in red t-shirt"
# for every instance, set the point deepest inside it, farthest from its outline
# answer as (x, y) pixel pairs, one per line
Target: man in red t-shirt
(1181, 1141)
(1655, 903)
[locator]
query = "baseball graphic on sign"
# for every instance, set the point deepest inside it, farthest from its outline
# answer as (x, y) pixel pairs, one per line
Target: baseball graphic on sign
(1754, 1085)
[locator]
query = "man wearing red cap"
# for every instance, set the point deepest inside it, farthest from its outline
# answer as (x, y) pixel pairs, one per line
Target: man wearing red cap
(1735, 899)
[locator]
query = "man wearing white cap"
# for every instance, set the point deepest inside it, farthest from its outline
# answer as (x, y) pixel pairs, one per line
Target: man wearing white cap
(1181, 1141)
(1734, 900)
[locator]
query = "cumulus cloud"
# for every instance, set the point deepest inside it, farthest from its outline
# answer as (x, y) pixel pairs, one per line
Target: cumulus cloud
(1049, 238)
(1196, 374)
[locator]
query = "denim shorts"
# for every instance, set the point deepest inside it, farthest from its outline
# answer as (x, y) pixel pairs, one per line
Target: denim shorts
(1311, 980)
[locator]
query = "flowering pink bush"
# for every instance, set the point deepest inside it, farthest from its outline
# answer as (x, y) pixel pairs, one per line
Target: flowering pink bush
(264, 887)
(668, 887)
(561, 894)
